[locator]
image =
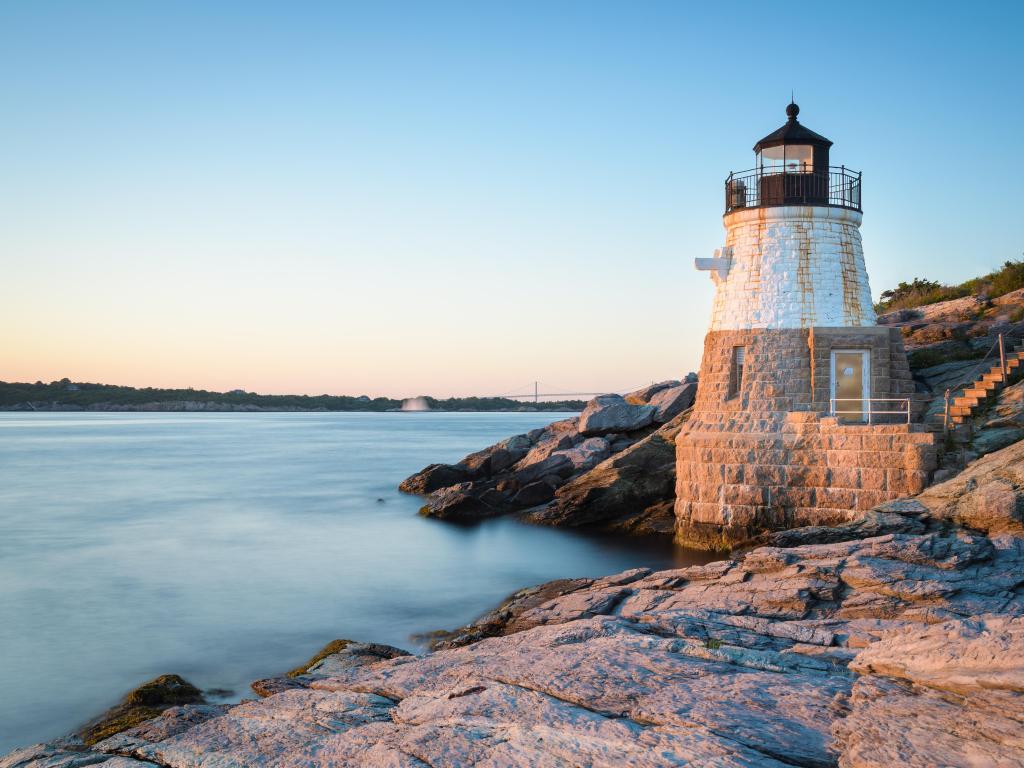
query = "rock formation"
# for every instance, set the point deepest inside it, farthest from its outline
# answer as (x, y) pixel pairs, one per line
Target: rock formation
(143, 703)
(894, 639)
(631, 491)
(956, 331)
(611, 467)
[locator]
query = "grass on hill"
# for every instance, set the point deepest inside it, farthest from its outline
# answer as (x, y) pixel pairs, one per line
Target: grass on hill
(920, 292)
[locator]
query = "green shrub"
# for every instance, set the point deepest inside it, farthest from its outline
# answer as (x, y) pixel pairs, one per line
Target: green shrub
(1007, 279)
(919, 292)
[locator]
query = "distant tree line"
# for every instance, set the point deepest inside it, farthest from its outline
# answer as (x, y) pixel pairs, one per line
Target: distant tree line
(87, 396)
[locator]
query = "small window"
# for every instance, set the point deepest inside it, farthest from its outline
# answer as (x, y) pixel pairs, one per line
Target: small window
(788, 158)
(736, 371)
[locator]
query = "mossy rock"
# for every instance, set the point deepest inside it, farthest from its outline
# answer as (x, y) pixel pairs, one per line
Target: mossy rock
(118, 719)
(142, 704)
(165, 691)
(333, 647)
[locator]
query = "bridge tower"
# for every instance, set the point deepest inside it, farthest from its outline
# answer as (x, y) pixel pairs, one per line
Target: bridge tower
(804, 411)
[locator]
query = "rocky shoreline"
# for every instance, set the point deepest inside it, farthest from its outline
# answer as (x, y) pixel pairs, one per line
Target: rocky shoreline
(611, 468)
(894, 639)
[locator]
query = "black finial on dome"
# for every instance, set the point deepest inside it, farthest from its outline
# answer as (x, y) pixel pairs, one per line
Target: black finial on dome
(792, 110)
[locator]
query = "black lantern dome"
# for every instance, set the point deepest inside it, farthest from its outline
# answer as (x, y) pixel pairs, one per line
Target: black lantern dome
(792, 168)
(793, 147)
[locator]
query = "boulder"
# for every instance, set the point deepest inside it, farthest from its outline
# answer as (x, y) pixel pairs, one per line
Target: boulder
(587, 454)
(343, 655)
(621, 442)
(142, 704)
(672, 401)
(512, 475)
(899, 316)
(538, 492)
(462, 502)
(497, 457)
(478, 465)
(643, 395)
(621, 488)
(336, 657)
(555, 437)
(987, 496)
(433, 478)
(611, 413)
(557, 463)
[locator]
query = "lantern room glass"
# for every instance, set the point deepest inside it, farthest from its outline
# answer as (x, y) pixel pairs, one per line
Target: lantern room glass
(786, 158)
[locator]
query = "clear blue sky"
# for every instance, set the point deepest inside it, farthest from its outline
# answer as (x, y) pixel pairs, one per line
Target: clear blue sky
(458, 198)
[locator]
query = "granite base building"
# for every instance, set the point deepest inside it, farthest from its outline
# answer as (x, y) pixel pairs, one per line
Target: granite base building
(805, 411)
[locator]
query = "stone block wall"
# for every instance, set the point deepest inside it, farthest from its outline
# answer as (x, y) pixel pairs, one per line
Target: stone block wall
(805, 469)
(769, 456)
(792, 267)
(790, 369)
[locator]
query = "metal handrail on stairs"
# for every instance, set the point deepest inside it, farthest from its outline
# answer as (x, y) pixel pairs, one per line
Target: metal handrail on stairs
(972, 377)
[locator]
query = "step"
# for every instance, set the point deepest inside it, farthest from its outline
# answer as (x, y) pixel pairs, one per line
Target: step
(996, 373)
(966, 400)
(960, 410)
(979, 393)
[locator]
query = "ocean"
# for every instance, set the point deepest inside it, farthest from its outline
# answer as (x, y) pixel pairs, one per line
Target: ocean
(230, 547)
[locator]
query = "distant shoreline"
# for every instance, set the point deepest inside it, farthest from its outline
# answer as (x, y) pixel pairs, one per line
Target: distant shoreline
(67, 395)
(217, 408)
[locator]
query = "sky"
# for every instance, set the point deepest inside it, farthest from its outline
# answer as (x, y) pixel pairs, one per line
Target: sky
(458, 198)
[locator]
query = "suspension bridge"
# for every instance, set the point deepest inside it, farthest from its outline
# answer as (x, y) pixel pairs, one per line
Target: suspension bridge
(536, 390)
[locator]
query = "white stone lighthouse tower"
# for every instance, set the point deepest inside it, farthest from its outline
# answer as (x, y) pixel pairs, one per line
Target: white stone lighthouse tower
(804, 412)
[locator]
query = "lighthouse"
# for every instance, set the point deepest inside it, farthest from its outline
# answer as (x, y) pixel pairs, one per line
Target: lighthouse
(805, 412)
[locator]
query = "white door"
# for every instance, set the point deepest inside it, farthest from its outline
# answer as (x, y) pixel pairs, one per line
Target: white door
(851, 384)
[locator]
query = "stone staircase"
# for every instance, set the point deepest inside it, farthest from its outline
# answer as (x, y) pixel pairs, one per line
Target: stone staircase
(974, 396)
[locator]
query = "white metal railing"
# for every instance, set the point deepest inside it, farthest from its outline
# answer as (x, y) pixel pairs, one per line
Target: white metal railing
(866, 409)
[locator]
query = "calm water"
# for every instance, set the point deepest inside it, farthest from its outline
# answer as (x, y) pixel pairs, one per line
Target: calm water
(228, 547)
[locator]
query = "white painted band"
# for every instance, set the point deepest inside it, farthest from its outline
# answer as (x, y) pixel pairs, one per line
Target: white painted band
(792, 266)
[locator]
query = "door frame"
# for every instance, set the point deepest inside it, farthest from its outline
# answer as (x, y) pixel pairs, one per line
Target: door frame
(865, 380)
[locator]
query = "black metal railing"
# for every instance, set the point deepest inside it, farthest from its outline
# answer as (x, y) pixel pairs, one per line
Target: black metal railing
(762, 187)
